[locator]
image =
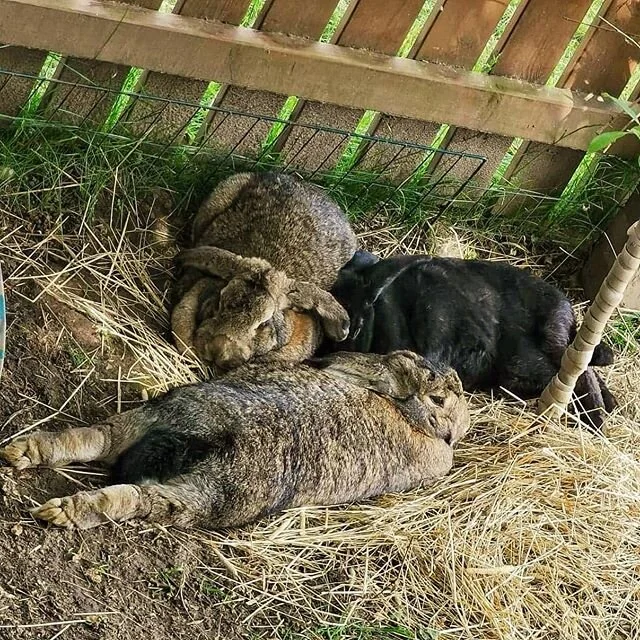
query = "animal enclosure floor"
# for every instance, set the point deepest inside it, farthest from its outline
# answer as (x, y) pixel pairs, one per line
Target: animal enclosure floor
(534, 534)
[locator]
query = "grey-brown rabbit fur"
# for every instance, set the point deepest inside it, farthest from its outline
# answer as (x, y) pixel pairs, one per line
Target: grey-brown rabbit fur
(266, 250)
(262, 438)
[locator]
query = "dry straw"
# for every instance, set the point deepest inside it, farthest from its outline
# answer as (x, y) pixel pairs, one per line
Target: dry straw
(535, 534)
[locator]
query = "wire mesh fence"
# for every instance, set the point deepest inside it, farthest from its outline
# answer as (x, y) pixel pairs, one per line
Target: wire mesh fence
(362, 171)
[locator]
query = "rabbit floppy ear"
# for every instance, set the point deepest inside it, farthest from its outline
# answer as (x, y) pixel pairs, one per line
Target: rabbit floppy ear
(222, 263)
(393, 375)
(309, 297)
(427, 398)
(358, 287)
(184, 315)
(380, 275)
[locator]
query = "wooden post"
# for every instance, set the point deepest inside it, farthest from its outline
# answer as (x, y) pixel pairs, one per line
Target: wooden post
(78, 105)
(604, 253)
(15, 91)
(244, 134)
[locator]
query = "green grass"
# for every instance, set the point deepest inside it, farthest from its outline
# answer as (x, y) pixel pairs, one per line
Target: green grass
(585, 199)
(360, 632)
(576, 39)
(167, 582)
(334, 21)
(79, 358)
(66, 173)
(120, 104)
(46, 73)
(624, 332)
(210, 589)
(167, 6)
(412, 36)
(490, 56)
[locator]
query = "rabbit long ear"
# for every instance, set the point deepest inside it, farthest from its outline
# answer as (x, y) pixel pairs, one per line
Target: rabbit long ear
(404, 378)
(389, 375)
(380, 275)
(184, 316)
(309, 297)
(360, 260)
(222, 263)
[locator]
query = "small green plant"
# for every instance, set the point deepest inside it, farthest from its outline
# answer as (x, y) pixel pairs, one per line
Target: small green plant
(79, 358)
(168, 581)
(604, 140)
(210, 589)
(624, 333)
(365, 632)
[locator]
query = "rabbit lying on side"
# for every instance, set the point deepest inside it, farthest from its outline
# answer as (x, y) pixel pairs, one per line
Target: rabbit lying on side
(267, 247)
(496, 325)
(262, 438)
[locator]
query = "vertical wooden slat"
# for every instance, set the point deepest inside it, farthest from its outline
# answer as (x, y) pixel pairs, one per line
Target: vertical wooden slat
(77, 105)
(605, 252)
(604, 63)
(165, 121)
(456, 36)
(14, 91)
(245, 134)
(529, 50)
(377, 25)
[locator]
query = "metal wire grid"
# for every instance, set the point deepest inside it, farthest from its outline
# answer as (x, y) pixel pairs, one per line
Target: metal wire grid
(346, 170)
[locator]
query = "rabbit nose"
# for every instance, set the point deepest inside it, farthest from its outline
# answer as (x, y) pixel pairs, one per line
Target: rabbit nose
(227, 354)
(230, 362)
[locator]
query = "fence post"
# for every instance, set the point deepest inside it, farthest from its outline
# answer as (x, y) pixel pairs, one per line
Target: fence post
(576, 358)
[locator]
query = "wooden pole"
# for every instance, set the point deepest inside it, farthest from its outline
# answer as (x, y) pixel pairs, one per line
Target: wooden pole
(556, 396)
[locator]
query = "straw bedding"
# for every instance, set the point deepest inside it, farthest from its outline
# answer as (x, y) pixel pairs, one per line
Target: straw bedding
(535, 534)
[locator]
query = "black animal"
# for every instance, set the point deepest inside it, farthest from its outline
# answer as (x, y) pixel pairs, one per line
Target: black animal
(494, 324)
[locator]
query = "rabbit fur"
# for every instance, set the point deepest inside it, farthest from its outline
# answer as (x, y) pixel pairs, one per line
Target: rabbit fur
(266, 249)
(496, 325)
(264, 437)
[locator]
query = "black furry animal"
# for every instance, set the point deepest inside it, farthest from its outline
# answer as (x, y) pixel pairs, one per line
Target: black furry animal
(494, 324)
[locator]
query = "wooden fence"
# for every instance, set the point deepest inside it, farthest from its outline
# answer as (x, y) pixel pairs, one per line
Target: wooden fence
(357, 70)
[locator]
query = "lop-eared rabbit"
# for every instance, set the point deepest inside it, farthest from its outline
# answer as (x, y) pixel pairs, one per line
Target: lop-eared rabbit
(496, 325)
(262, 438)
(266, 250)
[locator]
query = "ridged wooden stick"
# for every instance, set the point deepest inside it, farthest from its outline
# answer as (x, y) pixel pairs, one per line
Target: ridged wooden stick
(576, 358)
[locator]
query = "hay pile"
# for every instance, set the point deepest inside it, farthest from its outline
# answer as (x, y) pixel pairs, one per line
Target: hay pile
(535, 534)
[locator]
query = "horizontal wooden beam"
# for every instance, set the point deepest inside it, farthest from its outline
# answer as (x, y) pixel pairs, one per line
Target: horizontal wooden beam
(292, 66)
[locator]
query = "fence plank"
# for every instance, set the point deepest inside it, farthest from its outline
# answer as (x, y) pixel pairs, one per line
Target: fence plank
(245, 135)
(605, 252)
(530, 50)
(604, 64)
(15, 91)
(376, 25)
(455, 36)
(351, 78)
(165, 121)
(77, 105)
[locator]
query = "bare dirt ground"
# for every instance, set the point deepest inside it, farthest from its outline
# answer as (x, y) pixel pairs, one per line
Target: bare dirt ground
(59, 370)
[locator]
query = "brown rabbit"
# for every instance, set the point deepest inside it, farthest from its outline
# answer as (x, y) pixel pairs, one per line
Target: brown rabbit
(267, 247)
(262, 438)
